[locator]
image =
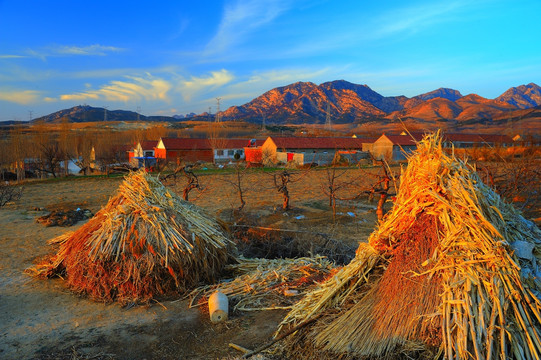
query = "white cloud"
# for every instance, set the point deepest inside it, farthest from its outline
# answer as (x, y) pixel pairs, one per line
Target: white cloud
(23, 97)
(10, 56)
(188, 88)
(416, 18)
(241, 19)
(91, 50)
(65, 50)
(135, 89)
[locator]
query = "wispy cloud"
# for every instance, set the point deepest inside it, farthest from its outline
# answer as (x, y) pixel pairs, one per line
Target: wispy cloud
(11, 56)
(134, 89)
(22, 97)
(195, 85)
(415, 18)
(242, 18)
(91, 50)
(64, 50)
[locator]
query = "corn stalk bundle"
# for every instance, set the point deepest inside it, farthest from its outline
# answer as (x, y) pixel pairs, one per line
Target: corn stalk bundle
(267, 284)
(145, 242)
(452, 285)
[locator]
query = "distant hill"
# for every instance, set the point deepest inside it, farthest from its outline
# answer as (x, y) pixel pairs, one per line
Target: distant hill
(347, 103)
(523, 96)
(85, 113)
(307, 102)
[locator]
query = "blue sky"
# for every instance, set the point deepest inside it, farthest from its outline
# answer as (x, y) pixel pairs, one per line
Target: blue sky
(176, 57)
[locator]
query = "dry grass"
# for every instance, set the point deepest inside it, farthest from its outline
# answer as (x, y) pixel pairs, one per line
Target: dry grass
(145, 242)
(471, 294)
(267, 284)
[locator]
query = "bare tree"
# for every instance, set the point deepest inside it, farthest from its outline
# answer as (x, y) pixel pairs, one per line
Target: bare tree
(83, 149)
(281, 186)
(9, 193)
(51, 159)
(333, 185)
(64, 143)
(381, 187)
(237, 184)
(192, 182)
(19, 149)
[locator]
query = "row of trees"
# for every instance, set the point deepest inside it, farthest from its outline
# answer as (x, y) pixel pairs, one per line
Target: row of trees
(46, 150)
(337, 183)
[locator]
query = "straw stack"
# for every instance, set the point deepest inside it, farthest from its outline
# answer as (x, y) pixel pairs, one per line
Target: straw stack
(439, 276)
(267, 284)
(145, 242)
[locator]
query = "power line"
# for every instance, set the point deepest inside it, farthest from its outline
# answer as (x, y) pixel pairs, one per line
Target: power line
(328, 125)
(218, 109)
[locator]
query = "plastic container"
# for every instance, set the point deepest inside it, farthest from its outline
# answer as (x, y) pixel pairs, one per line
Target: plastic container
(218, 307)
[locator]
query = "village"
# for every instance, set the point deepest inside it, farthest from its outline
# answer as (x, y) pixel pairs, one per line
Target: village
(268, 227)
(299, 151)
(319, 151)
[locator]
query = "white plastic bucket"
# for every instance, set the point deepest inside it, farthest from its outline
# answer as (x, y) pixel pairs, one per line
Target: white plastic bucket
(218, 307)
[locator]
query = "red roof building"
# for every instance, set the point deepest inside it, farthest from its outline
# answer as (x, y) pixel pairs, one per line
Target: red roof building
(206, 150)
(320, 150)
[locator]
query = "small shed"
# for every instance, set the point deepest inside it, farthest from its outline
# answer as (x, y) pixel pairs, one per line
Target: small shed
(394, 147)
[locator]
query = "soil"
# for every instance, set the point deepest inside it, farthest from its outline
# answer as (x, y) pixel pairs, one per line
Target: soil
(42, 319)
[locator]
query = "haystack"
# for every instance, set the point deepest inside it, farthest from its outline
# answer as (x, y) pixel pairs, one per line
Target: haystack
(145, 242)
(439, 277)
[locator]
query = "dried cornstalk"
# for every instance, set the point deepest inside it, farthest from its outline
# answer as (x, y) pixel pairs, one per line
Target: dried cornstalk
(267, 284)
(486, 312)
(146, 241)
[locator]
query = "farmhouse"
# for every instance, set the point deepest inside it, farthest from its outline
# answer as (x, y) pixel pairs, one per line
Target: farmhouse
(305, 150)
(143, 154)
(476, 140)
(225, 150)
(184, 149)
(206, 150)
(394, 147)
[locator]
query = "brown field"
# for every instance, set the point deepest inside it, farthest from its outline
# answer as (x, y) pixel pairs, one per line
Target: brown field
(44, 320)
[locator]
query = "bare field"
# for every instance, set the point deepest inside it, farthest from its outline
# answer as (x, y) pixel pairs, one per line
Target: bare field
(44, 320)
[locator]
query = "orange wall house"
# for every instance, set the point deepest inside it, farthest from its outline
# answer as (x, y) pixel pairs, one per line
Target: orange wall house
(184, 149)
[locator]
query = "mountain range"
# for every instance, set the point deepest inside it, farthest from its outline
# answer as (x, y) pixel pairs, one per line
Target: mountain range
(86, 113)
(345, 102)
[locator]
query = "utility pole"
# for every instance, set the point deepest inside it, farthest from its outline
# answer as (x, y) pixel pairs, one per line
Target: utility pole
(217, 118)
(328, 125)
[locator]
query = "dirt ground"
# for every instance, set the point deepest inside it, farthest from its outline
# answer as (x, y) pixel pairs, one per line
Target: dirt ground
(42, 319)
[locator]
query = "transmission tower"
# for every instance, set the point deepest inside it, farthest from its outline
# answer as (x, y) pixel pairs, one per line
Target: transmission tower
(218, 109)
(328, 125)
(105, 113)
(30, 114)
(138, 111)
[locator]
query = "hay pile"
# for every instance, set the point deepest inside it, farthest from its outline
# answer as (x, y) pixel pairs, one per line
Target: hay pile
(145, 242)
(438, 278)
(267, 284)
